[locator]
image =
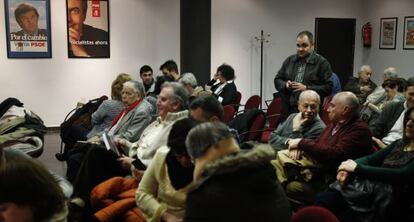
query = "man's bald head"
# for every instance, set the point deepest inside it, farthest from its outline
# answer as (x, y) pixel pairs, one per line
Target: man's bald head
(344, 105)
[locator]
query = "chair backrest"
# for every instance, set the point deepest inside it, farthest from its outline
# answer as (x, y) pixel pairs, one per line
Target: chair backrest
(273, 112)
(325, 105)
(229, 112)
(245, 122)
(236, 101)
(252, 103)
(313, 214)
(256, 128)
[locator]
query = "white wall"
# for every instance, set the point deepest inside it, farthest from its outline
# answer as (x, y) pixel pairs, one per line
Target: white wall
(235, 23)
(141, 32)
(380, 59)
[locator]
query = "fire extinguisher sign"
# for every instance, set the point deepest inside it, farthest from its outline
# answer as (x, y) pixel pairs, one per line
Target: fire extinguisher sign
(96, 8)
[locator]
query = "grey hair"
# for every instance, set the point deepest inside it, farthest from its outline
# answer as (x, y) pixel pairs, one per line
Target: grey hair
(179, 95)
(188, 79)
(390, 72)
(365, 68)
(205, 135)
(310, 94)
(138, 87)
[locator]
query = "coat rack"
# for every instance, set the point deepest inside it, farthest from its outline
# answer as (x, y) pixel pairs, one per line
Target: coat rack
(261, 38)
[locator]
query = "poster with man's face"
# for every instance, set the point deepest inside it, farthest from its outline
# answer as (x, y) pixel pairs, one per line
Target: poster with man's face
(28, 28)
(88, 28)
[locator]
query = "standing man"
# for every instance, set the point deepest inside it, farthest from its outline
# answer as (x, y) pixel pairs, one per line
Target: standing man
(145, 72)
(362, 86)
(27, 17)
(304, 70)
(84, 40)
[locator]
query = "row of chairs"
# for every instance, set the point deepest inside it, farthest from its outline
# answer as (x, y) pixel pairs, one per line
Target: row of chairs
(263, 121)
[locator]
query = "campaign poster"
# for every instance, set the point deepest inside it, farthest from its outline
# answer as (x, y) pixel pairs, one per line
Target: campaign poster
(88, 28)
(28, 28)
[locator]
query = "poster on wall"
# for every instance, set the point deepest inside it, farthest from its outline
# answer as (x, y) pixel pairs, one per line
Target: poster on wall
(388, 33)
(408, 40)
(88, 28)
(28, 28)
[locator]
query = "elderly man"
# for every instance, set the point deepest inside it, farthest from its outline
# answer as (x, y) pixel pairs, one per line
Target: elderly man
(172, 105)
(362, 85)
(228, 181)
(346, 137)
(388, 126)
(304, 70)
(305, 124)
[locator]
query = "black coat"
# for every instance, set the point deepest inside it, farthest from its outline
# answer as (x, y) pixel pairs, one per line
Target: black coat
(239, 187)
(228, 94)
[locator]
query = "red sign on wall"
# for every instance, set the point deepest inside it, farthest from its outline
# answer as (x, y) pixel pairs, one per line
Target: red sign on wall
(96, 8)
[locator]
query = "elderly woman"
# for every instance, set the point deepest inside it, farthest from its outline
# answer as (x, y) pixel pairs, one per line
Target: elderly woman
(228, 182)
(29, 193)
(162, 191)
(102, 118)
(388, 176)
(394, 89)
(222, 84)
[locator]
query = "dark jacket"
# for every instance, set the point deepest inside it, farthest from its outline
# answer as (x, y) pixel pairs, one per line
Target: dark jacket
(228, 93)
(239, 187)
(95, 41)
(389, 115)
(317, 76)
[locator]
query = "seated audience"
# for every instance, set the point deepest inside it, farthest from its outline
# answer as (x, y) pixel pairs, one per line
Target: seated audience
(346, 137)
(387, 128)
(190, 83)
(128, 124)
(172, 105)
(170, 69)
(228, 181)
(394, 91)
(146, 75)
(362, 85)
(29, 193)
(102, 118)
(207, 108)
(222, 84)
(388, 179)
(378, 94)
(305, 124)
(162, 191)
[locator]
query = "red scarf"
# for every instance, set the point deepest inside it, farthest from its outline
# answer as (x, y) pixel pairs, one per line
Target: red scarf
(125, 111)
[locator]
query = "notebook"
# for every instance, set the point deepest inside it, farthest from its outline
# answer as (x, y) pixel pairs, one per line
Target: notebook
(109, 143)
